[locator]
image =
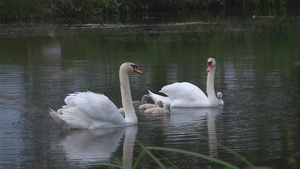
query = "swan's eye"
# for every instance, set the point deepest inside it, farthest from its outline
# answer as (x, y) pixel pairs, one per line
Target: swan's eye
(133, 66)
(135, 69)
(209, 63)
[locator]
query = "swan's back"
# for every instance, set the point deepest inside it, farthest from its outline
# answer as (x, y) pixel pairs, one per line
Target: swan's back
(184, 94)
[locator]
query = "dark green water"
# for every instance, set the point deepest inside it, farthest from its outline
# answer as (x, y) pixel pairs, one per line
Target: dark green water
(258, 72)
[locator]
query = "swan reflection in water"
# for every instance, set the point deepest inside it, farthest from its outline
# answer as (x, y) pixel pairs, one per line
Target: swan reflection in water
(211, 130)
(196, 115)
(189, 120)
(88, 146)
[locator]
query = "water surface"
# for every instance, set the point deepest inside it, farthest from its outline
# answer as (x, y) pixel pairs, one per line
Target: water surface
(257, 72)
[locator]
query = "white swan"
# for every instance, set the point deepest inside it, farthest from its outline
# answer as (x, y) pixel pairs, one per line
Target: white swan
(88, 110)
(185, 94)
(159, 110)
(149, 105)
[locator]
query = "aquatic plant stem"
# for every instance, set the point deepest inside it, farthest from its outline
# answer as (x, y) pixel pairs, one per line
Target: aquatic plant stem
(233, 152)
(193, 154)
(146, 149)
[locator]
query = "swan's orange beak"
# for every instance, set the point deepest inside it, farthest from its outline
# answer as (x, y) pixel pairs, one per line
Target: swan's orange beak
(209, 67)
(137, 70)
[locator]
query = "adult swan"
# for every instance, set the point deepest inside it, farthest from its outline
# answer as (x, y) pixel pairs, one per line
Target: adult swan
(185, 94)
(88, 110)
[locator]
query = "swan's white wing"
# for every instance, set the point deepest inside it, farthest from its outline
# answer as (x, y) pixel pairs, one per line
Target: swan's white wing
(96, 106)
(185, 94)
(183, 89)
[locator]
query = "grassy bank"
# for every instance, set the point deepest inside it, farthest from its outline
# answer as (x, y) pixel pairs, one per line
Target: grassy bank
(20, 9)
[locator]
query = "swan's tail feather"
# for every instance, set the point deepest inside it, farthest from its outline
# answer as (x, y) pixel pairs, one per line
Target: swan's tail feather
(57, 117)
(156, 97)
(153, 96)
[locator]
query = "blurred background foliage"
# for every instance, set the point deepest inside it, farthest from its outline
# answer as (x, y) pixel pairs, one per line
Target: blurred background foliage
(20, 9)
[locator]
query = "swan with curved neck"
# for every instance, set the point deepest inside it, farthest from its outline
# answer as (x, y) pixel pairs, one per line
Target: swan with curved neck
(88, 110)
(185, 94)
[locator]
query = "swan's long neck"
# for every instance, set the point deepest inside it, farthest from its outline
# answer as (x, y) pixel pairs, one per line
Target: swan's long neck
(130, 115)
(210, 85)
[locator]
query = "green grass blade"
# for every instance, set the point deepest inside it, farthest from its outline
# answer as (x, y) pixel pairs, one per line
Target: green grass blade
(193, 154)
(170, 162)
(236, 154)
(111, 165)
(151, 155)
(232, 152)
(138, 159)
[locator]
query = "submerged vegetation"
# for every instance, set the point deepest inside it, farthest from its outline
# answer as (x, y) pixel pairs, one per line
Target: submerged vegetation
(20, 9)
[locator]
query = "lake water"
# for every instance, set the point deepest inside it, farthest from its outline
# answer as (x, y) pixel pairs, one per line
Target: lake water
(258, 72)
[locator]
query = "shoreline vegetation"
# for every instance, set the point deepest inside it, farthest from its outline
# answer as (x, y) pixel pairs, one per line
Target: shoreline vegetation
(20, 10)
(170, 32)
